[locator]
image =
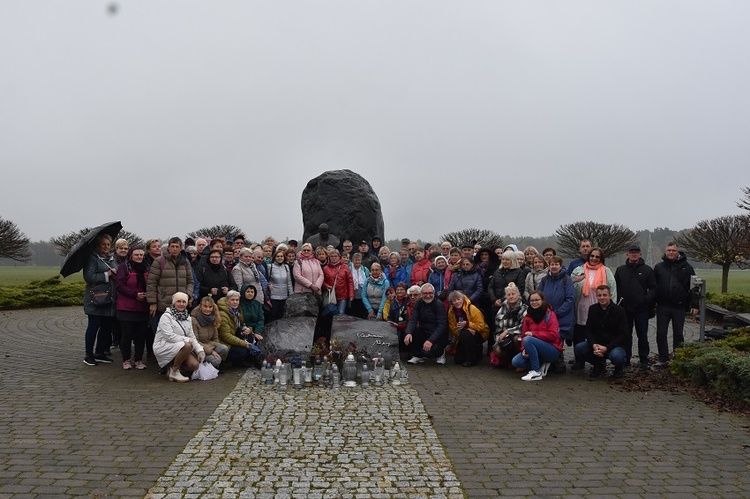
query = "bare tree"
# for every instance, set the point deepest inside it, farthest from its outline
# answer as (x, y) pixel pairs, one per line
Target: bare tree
(724, 241)
(485, 237)
(744, 203)
(67, 241)
(611, 238)
(13, 243)
(230, 231)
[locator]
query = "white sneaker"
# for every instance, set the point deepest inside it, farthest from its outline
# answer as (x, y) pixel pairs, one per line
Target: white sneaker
(533, 376)
(441, 360)
(544, 368)
(416, 360)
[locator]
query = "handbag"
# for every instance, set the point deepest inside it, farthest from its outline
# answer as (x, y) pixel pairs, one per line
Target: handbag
(329, 297)
(100, 298)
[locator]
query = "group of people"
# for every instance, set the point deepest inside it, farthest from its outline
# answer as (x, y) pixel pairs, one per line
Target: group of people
(210, 301)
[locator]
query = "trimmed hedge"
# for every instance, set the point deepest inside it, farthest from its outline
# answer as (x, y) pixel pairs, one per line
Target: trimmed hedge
(52, 292)
(723, 365)
(732, 302)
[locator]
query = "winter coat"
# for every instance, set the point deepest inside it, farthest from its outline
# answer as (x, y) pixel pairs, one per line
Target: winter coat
(431, 318)
(373, 294)
(419, 272)
(214, 276)
(96, 275)
(474, 318)
(492, 265)
(510, 319)
(548, 329)
(280, 277)
(207, 336)
(440, 280)
(531, 284)
(396, 275)
(252, 313)
(307, 271)
(170, 337)
(227, 327)
(126, 283)
(560, 294)
(344, 283)
(166, 277)
(608, 327)
(398, 312)
(673, 282)
(500, 280)
(636, 285)
(469, 282)
(244, 273)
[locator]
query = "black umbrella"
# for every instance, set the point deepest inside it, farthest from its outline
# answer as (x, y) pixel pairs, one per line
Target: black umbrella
(80, 252)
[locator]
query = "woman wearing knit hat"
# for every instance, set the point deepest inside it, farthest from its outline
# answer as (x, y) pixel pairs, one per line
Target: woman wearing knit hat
(175, 344)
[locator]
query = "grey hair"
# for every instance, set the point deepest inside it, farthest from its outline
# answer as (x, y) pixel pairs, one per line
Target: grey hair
(426, 286)
(233, 292)
(245, 251)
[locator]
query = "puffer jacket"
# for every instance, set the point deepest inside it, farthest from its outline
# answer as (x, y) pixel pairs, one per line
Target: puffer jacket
(244, 273)
(227, 328)
(533, 279)
(166, 277)
(469, 282)
(500, 280)
(307, 271)
(344, 282)
(208, 335)
(127, 290)
(420, 271)
(396, 275)
(547, 329)
(560, 295)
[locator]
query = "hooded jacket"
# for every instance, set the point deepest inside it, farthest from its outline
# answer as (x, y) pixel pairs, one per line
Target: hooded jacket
(474, 317)
(560, 295)
(166, 277)
(469, 282)
(373, 294)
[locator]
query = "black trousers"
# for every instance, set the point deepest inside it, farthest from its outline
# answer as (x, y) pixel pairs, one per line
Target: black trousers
(469, 347)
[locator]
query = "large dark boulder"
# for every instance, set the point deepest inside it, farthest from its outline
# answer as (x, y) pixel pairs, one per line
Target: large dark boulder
(372, 336)
(288, 337)
(346, 202)
(301, 305)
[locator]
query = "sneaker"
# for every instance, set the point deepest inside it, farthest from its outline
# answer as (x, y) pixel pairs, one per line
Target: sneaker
(89, 360)
(102, 358)
(441, 360)
(533, 376)
(577, 366)
(140, 365)
(619, 372)
(417, 360)
(127, 365)
(544, 368)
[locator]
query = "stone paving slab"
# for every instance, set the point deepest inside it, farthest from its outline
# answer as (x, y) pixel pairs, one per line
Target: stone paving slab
(313, 442)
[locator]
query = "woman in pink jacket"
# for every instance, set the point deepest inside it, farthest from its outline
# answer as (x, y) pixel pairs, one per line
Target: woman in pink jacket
(541, 342)
(308, 274)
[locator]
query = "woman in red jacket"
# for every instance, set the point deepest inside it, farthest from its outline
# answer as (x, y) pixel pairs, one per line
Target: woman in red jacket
(541, 342)
(337, 274)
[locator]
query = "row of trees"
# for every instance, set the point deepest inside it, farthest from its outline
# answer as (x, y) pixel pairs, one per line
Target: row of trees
(724, 241)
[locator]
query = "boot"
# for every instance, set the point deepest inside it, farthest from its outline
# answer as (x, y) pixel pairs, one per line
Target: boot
(176, 375)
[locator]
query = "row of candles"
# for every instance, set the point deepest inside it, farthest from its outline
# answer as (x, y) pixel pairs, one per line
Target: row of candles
(326, 374)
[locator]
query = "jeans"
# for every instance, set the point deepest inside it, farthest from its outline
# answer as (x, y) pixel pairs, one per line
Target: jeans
(539, 352)
(341, 306)
(640, 321)
(665, 313)
(585, 352)
(99, 332)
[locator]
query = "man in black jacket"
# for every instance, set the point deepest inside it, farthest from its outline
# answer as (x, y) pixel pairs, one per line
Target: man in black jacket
(427, 331)
(606, 335)
(673, 299)
(636, 287)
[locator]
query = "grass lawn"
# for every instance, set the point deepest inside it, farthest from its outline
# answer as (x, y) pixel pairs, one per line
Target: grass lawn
(14, 276)
(739, 281)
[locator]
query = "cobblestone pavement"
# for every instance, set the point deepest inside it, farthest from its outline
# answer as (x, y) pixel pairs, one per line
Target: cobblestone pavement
(67, 429)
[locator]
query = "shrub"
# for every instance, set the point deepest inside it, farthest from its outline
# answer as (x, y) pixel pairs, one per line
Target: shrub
(723, 365)
(732, 302)
(51, 292)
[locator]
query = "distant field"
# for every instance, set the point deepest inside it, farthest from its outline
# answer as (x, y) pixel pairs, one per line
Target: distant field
(739, 280)
(12, 276)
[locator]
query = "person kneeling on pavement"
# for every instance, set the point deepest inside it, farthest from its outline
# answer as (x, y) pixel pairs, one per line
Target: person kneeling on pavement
(206, 322)
(466, 322)
(607, 335)
(427, 332)
(541, 342)
(175, 345)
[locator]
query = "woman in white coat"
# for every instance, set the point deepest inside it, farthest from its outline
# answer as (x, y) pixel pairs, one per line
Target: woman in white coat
(175, 344)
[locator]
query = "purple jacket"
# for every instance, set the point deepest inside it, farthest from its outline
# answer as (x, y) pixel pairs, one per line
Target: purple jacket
(127, 290)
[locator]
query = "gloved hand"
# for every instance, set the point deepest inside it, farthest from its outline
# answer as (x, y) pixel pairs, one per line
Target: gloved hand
(201, 356)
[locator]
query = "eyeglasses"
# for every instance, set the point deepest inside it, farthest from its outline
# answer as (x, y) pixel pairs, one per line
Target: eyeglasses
(535, 300)
(595, 256)
(306, 251)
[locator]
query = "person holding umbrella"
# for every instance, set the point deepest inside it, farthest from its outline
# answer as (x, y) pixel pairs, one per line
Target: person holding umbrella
(99, 300)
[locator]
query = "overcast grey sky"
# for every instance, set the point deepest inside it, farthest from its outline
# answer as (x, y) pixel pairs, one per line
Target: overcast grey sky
(511, 116)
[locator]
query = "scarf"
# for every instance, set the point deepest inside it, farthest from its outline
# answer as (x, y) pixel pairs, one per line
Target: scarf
(205, 320)
(358, 277)
(483, 266)
(599, 278)
(537, 314)
(180, 316)
(140, 274)
(236, 314)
